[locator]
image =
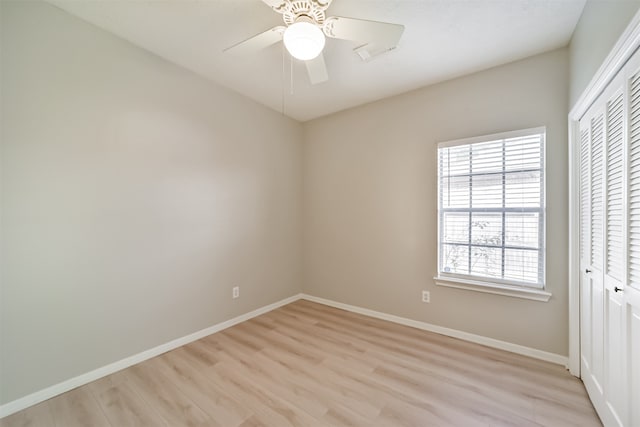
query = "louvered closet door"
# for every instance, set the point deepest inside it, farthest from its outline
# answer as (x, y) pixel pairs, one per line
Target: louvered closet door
(631, 290)
(592, 287)
(614, 356)
(585, 247)
(610, 249)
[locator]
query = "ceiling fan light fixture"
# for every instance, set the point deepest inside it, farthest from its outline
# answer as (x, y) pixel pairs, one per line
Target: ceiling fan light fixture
(304, 40)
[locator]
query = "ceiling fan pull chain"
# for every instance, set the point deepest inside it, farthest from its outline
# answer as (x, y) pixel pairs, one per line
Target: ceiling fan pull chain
(291, 74)
(282, 80)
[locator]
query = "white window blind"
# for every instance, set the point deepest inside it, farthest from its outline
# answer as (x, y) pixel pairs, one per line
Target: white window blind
(491, 208)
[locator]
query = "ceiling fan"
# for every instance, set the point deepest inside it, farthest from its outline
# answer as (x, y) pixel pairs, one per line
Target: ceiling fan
(306, 27)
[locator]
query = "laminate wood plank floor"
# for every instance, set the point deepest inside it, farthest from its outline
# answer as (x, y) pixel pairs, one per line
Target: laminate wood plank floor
(306, 364)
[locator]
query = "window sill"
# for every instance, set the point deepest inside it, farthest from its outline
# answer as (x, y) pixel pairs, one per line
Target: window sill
(493, 288)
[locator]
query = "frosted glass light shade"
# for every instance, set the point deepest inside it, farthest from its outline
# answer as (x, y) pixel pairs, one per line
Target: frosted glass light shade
(304, 40)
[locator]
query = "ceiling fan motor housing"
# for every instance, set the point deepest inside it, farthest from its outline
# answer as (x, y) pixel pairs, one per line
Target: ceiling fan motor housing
(312, 10)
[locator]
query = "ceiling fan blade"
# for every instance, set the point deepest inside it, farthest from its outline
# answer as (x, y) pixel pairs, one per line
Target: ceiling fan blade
(257, 42)
(277, 5)
(317, 70)
(374, 37)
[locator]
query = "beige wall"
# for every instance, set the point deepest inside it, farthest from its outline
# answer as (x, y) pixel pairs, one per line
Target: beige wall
(134, 196)
(370, 209)
(601, 24)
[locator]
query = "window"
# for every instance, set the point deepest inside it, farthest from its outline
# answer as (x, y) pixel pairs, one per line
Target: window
(491, 209)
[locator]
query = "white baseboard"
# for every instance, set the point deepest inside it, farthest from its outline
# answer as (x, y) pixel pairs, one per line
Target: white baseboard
(478, 339)
(54, 390)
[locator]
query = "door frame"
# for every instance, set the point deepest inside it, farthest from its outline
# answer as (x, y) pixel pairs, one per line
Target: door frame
(626, 45)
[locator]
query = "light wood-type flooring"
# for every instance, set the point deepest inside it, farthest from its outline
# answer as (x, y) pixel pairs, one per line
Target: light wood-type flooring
(307, 364)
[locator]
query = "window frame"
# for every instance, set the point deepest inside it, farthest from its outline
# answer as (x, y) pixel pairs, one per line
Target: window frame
(501, 286)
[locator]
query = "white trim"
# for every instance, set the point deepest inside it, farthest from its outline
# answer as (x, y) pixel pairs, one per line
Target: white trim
(80, 380)
(624, 48)
(493, 288)
(478, 339)
(494, 137)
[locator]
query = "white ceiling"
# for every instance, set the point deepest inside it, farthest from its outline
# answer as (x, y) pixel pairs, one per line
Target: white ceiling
(442, 39)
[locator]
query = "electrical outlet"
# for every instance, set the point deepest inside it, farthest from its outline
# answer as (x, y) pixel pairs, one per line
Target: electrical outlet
(236, 292)
(426, 297)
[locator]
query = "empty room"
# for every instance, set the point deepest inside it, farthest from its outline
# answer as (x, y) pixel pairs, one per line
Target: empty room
(276, 213)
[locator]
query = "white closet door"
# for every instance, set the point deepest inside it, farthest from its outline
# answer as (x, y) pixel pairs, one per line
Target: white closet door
(592, 327)
(585, 247)
(614, 374)
(602, 309)
(610, 249)
(632, 289)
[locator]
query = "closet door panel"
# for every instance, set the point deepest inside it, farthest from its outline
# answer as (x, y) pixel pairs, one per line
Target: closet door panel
(633, 356)
(614, 191)
(615, 229)
(585, 247)
(615, 376)
(597, 333)
(631, 290)
(585, 326)
(597, 248)
(634, 179)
